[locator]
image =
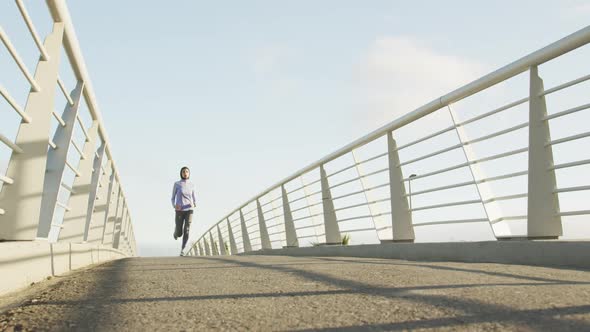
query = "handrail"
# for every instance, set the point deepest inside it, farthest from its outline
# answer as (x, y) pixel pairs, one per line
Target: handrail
(564, 45)
(34, 219)
(60, 13)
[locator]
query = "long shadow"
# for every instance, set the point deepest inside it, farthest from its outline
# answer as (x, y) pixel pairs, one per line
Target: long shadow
(397, 291)
(200, 267)
(112, 276)
(105, 287)
(464, 320)
(447, 268)
(477, 311)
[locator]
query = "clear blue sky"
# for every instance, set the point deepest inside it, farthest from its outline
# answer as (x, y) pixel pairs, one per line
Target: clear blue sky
(247, 92)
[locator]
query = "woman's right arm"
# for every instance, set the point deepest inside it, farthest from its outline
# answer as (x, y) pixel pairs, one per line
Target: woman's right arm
(174, 196)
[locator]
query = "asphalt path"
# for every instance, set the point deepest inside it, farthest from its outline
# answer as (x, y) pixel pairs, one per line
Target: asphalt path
(264, 293)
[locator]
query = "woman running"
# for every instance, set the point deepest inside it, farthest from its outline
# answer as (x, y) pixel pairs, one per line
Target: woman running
(183, 201)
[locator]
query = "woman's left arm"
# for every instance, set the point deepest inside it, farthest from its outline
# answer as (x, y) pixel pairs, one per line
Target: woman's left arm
(194, 199)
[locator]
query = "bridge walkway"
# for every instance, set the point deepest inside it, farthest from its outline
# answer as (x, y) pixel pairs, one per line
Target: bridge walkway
(303, 293)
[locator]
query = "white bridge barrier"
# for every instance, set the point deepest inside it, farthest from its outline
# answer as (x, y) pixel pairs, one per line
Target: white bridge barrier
(503, 157)
(23, 263)
(60, 184)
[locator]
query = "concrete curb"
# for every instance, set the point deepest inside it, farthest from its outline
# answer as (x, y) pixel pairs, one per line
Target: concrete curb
(572, 254)
(24, 262)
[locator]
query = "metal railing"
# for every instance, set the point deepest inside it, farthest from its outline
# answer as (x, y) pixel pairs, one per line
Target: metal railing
(479, 172)
(51, 191)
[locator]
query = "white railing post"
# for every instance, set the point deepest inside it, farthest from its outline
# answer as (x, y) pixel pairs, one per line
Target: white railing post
(222, 250)
(214, 247)
(96, 175)
(290, 233)
(331, 227)
(232, 239)
(126, 229)
(101, 206)
(118, 228)
(264, 238)
(207, 250)
(106, 202)
(56, 162)
(401, 216)
(245, 235)
(22, 199)
(201, 252)
(543, 204)
(75, 220)
(112, 217)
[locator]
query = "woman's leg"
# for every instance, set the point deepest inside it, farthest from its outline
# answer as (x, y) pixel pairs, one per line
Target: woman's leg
(178, 229)
(187, 226)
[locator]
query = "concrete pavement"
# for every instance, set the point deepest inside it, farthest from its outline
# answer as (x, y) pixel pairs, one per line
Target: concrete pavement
(303, 293)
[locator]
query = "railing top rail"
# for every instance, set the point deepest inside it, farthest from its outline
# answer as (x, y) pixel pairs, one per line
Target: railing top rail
(551, 51)
(60, 13)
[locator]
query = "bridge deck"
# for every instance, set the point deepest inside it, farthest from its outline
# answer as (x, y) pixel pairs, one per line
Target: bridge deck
(287, 293)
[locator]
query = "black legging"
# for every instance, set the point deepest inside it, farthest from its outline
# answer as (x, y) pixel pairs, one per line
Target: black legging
(183, 217)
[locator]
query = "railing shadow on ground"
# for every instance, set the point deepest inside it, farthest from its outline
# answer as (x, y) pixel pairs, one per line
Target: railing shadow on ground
(477, 311)
(86, 315)
(111, 278)
(448, 268)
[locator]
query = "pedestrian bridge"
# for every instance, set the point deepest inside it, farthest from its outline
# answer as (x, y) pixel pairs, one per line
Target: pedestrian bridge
(468, 212)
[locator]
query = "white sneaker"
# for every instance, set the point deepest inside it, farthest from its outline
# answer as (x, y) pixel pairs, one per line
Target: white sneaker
(181, 253)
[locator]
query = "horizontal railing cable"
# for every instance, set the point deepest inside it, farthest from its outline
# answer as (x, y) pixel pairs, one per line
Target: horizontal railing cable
(359, 217)
(565, 85)
(362, 204)
(573, 213)
(450, 168)
(58, 118)
(6, 179)
(570, 189)
(567, 112)
(304, 186)
(306, 227)
(75, 145)
(15, 106)
(357, 164)
(357, 230)
(568, 139)
(19, 61)
(494, 111)
(508, 218)
(307, 217)
(360, 191)
(305, 196)
(444, 222)
(10, 144)
(360, 177)
(32, 30)
(436, 206)
(84, 131)
(504, 198)
(570, 164)
(63, 89)
(306, 207)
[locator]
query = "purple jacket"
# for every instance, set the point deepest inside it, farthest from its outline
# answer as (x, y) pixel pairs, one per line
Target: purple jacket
(183, 194)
